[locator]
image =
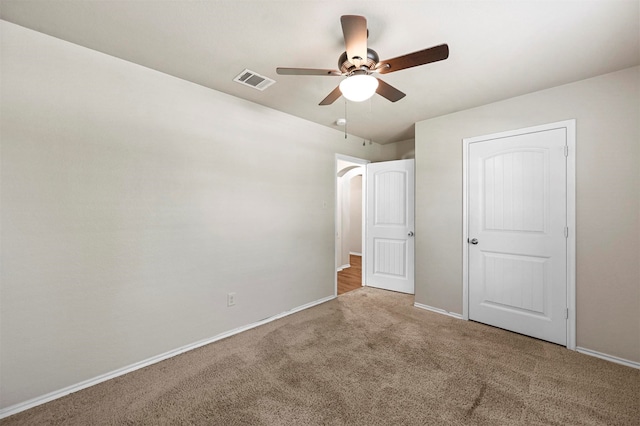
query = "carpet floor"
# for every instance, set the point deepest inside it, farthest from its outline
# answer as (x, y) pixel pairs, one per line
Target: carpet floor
(366, 358)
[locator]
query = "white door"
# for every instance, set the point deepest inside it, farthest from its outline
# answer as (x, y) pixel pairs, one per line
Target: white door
(517, 229)
(389, 262)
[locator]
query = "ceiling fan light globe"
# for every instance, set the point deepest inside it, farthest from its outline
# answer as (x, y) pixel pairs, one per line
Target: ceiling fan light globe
(358, 88)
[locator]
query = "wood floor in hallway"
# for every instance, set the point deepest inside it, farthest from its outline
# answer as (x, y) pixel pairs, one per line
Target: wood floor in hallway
(350, 278)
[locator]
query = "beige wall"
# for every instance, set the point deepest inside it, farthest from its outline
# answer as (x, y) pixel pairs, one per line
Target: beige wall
(355, 214)
(608, 201)
(401, 150)
(133, 202)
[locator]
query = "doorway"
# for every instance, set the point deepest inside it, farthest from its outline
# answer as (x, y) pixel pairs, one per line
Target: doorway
(349, 219)
(519, 231)
(374, 224)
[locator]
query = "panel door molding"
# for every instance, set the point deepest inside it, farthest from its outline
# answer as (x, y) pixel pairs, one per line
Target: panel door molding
(390, 226)
(519, 231)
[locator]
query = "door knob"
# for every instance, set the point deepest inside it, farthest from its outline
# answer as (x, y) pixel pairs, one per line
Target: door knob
(474, 241)
(410, 233)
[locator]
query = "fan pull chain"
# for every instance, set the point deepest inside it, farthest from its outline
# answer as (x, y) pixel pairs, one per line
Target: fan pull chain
(346, 121)
(370, 118)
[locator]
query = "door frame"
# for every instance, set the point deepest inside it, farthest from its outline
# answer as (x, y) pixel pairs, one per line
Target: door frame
(362, 162)
(570, 128)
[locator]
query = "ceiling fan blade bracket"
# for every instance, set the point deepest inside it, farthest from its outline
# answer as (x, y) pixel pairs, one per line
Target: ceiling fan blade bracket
(381, 67)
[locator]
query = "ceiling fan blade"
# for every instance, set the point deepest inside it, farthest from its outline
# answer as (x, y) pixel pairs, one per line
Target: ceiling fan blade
(354, 28)
(332, 97)
(388, 91)
(421, 57)
(306, 71)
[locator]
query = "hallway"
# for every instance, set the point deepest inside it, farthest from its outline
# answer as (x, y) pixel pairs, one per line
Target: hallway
(350, 278)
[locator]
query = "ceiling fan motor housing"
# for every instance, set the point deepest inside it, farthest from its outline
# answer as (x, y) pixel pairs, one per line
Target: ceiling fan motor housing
(347, 67)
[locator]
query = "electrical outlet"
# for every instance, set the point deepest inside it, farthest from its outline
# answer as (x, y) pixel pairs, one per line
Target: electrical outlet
(231, 299)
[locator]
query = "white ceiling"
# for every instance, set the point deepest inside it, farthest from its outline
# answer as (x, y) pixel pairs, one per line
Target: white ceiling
(498, 49)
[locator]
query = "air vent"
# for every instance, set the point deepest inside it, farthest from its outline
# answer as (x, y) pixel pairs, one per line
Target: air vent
(253, 79)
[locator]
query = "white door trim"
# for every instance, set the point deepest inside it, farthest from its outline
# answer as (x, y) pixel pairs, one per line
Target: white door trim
(570, 126)
(362, 162)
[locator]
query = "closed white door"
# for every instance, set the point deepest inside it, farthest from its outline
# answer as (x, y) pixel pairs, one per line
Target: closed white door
(517, 230)
(389, 262)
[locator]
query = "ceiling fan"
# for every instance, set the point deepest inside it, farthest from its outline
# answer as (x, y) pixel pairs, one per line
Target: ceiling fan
(359, 63)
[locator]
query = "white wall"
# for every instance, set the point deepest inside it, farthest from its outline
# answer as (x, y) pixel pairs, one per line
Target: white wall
(608, 201)
(133, 202)
(355, 214)
(344, 221)
(347, 220)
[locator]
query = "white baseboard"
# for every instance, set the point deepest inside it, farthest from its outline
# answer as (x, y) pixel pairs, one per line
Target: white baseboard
(437, 310)
(22, 406)
(355, 253)
(340, 268)
(607, 357)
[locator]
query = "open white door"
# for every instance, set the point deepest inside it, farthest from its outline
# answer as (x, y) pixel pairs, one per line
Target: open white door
(389, 262)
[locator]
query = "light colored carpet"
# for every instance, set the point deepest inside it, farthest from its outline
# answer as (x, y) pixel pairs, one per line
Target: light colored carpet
(366, 358)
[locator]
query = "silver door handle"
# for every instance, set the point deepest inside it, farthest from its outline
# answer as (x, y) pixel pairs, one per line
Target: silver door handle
(474, 241)
(410, 233)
